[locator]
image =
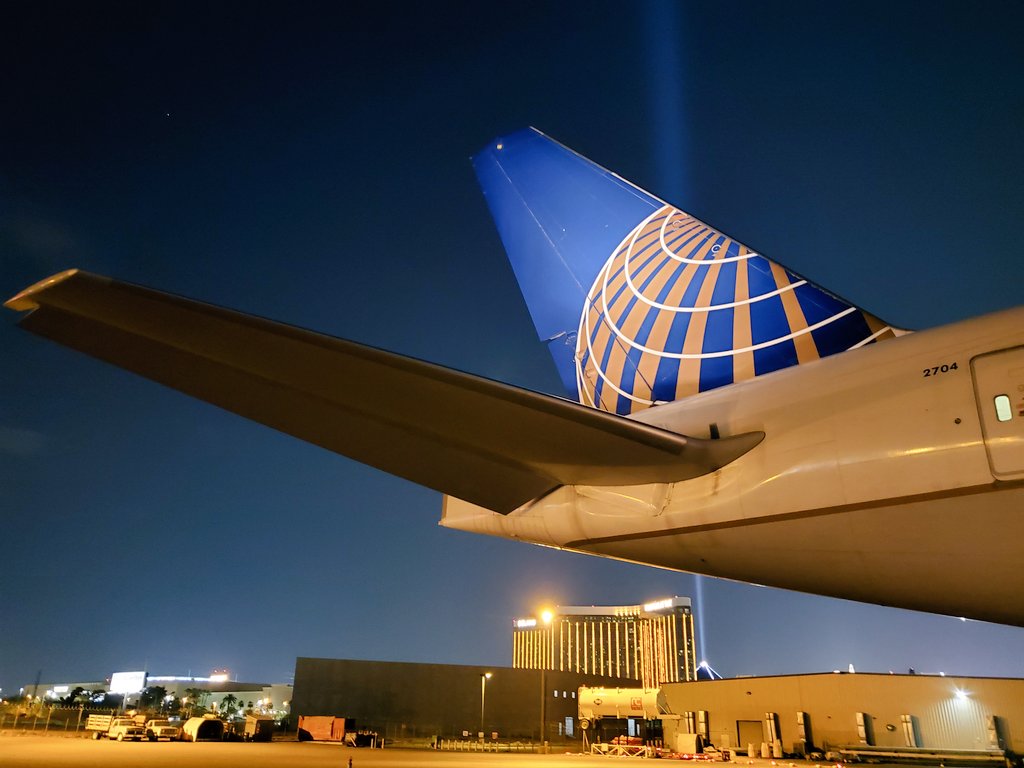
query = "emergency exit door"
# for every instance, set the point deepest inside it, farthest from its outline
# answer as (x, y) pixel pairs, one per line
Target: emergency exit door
(999, 387)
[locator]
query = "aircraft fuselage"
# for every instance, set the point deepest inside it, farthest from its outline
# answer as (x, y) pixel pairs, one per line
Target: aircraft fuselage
(890, 461)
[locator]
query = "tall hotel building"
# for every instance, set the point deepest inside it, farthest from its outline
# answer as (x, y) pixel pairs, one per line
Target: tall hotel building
(653, 643)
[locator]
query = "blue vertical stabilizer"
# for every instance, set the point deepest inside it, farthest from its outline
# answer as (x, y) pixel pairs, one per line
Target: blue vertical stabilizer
(559, 216)
(639, 302)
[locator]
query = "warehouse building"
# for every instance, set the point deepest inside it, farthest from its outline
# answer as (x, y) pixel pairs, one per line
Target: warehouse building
(401, 700)
(853, 713)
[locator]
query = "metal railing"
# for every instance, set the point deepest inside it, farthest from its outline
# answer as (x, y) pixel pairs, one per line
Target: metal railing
(477, 745)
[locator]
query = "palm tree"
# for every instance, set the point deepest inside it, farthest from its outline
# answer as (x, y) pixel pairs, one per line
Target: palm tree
(72, 698)
(152, 696)
(229, 704)
(196, 698)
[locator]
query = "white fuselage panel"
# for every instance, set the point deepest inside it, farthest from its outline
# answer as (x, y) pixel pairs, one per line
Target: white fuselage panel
(886, 475)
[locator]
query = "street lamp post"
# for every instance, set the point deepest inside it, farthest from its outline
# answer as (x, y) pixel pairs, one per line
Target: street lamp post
(543, 706)
(483, 693)
(545, 616)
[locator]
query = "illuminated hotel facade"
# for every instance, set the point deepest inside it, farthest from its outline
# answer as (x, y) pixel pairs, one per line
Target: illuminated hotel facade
(652, 643)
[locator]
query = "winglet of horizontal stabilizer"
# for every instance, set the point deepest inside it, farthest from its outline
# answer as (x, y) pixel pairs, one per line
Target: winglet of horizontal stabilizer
(641, 303)
(488, 443)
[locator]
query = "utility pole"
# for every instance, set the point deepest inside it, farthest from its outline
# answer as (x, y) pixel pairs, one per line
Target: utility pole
(543, 706)
(483, 692)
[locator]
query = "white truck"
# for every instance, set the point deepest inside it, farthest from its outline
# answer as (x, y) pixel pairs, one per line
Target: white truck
(111, 727)
(162, 729)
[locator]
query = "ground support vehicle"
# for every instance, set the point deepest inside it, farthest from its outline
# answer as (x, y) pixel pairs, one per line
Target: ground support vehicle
(205, 728)
(126, 728)
(98, 725)
(119, 728)
(162, 729)
(258, 728)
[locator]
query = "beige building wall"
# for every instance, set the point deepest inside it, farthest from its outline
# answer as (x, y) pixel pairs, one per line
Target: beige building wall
(943, 712)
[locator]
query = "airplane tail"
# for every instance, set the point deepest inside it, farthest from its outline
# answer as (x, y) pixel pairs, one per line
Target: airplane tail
(639, 302)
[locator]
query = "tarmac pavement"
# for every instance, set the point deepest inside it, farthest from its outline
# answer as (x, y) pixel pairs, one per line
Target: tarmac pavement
(21, 750)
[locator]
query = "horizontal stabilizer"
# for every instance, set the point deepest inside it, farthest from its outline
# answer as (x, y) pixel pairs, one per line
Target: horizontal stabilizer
(488, 443)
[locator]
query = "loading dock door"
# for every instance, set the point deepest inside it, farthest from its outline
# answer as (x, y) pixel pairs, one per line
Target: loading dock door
(749, 732)
(999, 386)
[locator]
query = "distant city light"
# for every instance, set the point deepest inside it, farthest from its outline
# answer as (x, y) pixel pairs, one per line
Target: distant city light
(546, 616)
(127, 682)
(186, 678)
(658, 605)
(709, 670)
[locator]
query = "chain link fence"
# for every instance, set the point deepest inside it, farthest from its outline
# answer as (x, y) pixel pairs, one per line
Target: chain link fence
(47, 719)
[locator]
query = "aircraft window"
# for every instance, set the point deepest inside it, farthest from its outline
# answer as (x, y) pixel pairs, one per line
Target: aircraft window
(1003, 410)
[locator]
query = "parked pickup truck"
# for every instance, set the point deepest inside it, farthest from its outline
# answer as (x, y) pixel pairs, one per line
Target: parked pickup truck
(120, 728)
(162, 729)
(126, 728)
(98, 725)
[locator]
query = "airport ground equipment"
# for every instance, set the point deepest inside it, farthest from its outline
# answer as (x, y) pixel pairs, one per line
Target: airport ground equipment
(205, 728)
(98, 725)
(605, 713)
(258, 728)
(111, 727)
(162, 729)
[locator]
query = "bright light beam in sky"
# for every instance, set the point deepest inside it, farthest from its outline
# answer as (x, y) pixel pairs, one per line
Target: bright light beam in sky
(666, 92)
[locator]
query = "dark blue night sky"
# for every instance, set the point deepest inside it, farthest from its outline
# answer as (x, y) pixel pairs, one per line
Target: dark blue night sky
(310, 163)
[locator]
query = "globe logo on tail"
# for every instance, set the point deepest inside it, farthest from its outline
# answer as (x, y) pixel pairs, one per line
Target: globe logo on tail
(680, 308)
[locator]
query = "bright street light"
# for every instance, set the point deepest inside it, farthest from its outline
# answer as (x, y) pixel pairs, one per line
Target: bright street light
(483, 692)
